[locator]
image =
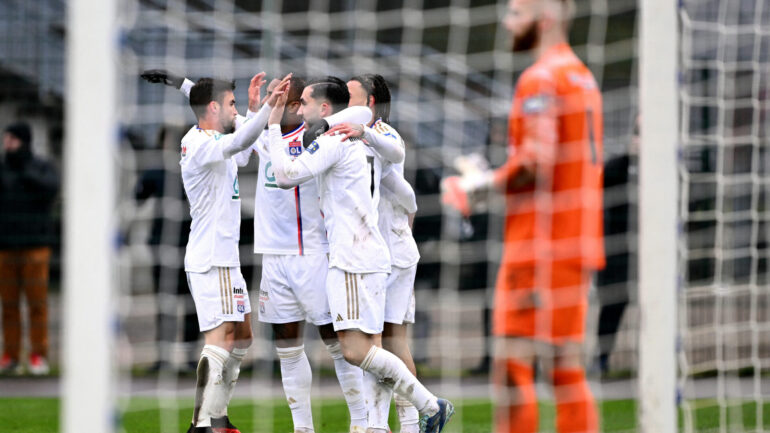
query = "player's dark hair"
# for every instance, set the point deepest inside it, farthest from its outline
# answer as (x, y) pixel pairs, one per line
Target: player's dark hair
(207, 90)
(296, 86)
(376, 86)
(331, 89)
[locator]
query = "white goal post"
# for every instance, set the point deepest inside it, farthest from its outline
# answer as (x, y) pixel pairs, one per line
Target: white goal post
(88, 387)
(658, 218)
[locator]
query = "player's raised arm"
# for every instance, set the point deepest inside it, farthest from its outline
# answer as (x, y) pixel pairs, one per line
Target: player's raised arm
(399, 190)
(380, 138)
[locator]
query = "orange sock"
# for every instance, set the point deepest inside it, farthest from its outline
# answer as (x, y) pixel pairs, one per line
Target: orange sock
(575, 408)
(519, 412)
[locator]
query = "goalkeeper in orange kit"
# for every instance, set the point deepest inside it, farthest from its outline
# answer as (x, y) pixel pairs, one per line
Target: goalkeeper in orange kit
(552, 182)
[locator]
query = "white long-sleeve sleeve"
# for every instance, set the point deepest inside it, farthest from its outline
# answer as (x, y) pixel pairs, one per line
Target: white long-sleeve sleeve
(356, 114)
(249, 131)
(386, 142)
(395, 187)
(186, 86)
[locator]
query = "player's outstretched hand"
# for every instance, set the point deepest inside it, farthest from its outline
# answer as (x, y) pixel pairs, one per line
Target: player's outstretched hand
(255, 86)
(454, 195)
(281, 94)
(163, 76)
(282, 87)
(347, 130)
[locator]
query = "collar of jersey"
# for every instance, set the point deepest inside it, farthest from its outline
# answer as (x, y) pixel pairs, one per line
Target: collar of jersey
(374, 121)
(209, 132)
(296, 131)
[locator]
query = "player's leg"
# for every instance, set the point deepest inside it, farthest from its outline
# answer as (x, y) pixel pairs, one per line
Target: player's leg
(377, 397)
(310, 282)
(10, 295)
(220, 300)
(280, 307)
(514, 353)
(242, 338)
(357, 304)
(399, 311)
(394, 339)
(575, 406)
(514, 382)
(350, 378)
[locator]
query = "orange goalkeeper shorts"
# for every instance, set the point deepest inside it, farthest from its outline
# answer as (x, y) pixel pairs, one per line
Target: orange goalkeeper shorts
(546, 302)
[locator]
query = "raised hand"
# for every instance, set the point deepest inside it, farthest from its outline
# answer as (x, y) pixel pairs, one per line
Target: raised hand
(254, 91)
(163, 76)
(280, 96)
(282, 87)
(348, 130)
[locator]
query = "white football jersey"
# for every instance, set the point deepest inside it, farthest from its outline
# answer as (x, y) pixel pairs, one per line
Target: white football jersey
(211, 184)
(345, 185)
(393, 219)
(286, 221)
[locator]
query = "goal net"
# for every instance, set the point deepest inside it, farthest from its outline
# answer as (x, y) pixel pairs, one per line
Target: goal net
(723, 299)
(452, 76)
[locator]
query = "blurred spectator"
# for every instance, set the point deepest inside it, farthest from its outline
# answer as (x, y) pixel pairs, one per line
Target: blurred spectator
(614, 282)
(28, 187)
(168, 237)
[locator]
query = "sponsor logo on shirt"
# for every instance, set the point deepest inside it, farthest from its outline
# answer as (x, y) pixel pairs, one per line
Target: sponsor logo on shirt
(237, 291)
(236, 190)
(313, 147)
(270, 176)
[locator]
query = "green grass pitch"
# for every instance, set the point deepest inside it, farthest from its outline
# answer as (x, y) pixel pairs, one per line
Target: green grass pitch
(41, 415)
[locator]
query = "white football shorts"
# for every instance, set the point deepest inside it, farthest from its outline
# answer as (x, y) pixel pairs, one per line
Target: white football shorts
(293, 289)
(399, 302)
(357, 301)
(220, 296)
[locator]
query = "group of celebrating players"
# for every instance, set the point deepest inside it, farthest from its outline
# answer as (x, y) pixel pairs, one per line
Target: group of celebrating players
(332, 221)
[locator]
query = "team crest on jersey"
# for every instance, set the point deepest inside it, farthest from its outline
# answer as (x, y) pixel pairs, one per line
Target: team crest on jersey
(295, 148)
(313, 147)
(241, 306)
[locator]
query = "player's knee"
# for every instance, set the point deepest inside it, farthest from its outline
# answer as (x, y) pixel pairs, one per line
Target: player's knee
(352, 354)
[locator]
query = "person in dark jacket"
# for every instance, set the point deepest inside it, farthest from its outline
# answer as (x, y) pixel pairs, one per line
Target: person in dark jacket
(28, 188)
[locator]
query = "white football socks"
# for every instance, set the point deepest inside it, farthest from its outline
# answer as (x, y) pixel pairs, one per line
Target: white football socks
(393, 372)
(377, 396)
(211, 395)
(351, 382)
(297, 380)
(408, 416)
(230, 373)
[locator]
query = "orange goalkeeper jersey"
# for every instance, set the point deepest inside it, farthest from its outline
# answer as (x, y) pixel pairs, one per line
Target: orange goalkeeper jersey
(555, 126)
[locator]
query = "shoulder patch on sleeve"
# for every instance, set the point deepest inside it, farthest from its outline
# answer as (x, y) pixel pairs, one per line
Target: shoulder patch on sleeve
(536, 104)
(312, 147)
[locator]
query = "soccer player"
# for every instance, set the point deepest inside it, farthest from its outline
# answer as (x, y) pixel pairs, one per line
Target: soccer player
(394, 221)
(553, 227)
(294, 264)
(359, 260)
(289, 232)
(210, 178)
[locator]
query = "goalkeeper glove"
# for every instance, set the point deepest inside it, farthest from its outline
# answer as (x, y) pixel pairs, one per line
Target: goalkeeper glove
(460, 192)
(314, 131)
(163, 76)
